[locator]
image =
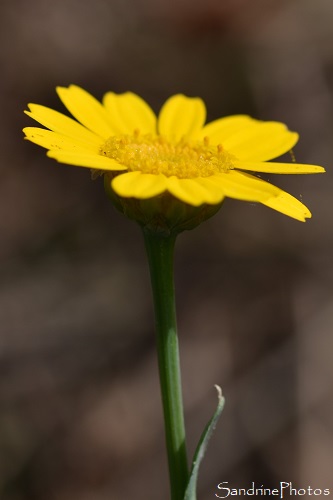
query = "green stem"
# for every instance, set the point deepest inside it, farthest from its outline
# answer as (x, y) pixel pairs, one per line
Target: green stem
(160, 256)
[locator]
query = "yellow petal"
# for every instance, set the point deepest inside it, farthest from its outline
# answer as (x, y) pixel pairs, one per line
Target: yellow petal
(51, 140)
(279, 168)
(60, 123)
(261, 141)
(267, 147)
(195, 191)
(138, 185)
(181, 116)
(223, 128)
(288, 205)
(245, 187)
(128, 112)
(87, 160)
(86, 109)
(211, 191)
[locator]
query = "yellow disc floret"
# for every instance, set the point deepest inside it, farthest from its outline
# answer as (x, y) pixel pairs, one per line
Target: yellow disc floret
(151, 154)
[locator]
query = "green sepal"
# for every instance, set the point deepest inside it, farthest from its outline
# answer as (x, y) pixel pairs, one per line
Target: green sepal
(190, 493)
(164, 214)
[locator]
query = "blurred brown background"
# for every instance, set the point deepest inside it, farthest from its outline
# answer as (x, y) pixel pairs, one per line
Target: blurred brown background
(80, 411)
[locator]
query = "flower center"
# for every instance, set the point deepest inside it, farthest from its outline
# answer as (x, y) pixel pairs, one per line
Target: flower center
(151, 154)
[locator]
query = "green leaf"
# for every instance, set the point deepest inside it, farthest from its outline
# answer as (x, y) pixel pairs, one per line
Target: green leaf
(190, 493)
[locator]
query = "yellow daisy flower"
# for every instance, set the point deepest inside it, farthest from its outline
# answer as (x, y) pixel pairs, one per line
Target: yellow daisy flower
(173, 154)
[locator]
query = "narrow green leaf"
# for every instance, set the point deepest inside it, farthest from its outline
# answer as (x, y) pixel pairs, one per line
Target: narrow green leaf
(190, 493)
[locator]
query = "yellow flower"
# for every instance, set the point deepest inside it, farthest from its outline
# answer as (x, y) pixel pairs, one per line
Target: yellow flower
(175, 154)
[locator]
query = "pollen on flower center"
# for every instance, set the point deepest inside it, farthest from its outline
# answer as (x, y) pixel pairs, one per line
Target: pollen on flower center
(151, 154)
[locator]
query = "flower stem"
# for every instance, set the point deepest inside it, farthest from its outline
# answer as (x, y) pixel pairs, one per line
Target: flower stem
(160, 249)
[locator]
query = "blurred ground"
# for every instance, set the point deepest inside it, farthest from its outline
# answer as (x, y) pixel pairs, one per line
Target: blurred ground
(80, 414)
